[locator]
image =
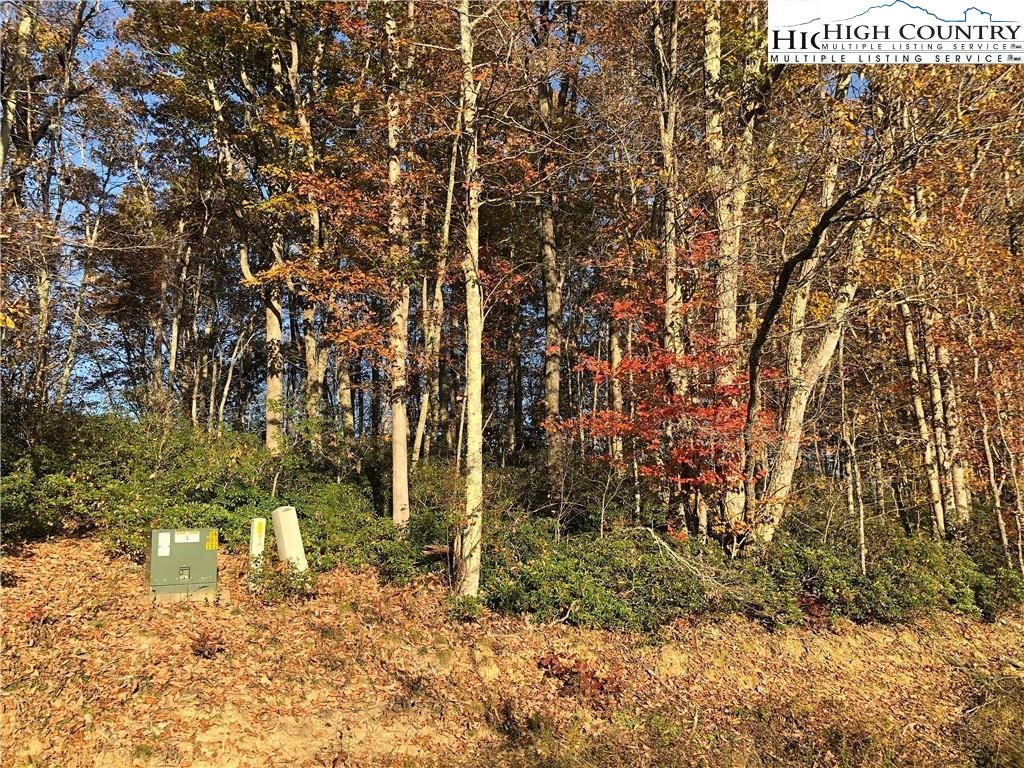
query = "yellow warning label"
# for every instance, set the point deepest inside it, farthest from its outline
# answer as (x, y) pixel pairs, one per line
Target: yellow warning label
(211, 541)
(259, 527)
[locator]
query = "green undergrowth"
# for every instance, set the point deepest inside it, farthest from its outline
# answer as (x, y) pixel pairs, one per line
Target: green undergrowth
(120, 478)
(583, 563)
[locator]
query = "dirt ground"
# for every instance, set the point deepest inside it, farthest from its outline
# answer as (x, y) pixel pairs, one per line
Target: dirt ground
(364, 675)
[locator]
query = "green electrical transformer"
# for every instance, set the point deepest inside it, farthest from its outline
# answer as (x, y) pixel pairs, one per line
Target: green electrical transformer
(183, 564)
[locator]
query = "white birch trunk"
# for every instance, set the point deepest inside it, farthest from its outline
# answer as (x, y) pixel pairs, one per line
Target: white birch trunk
(468, 545)
(923, 428)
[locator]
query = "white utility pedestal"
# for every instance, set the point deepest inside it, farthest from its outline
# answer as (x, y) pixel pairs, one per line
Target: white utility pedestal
(289, 539)
(257, 541)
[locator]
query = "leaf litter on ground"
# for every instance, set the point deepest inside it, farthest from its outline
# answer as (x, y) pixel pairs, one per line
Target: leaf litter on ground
(94, 674)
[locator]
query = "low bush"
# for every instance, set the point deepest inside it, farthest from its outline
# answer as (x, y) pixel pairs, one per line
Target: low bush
(63, 473)
(126, 477)
(340, 527)
(907, 576)
(464, 608)
(126, 524)
(632, 580)
(34, 506)
(280, 582)
(625, 580)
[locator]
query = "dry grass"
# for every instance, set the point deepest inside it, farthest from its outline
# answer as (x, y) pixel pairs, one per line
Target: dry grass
(363, 675)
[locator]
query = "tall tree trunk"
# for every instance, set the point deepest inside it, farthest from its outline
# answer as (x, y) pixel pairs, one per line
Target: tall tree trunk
(303, 91)
(1013, 474)
(1018, 512)
(468, 545)
(728, 177)
(13, 80)
(801, 378)
(273, 408)
(343, 379)
(213, 388)
(995, 487)
(42, 364)
(923, 428)
(274, 402)
(433, 321)
(551, 106)
(801, 264)
(71, 358)
(398, 235)
(951, 406)
(937, 413)
(423, 411)
(854, 491)
(399, 416)
(374, 396)
(552, 322)
(615, 400)
(665, 47)
(359, 397)
(194, 409)
(514, 390)
(179, 304)
(316, 374)
(665, 34)
(803, 373)
(237, 349)
(157, 324)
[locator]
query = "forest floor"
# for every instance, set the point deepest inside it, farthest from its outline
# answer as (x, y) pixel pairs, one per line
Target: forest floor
(365, 675)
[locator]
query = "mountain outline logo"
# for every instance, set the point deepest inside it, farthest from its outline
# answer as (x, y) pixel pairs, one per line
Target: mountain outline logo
(903, 4)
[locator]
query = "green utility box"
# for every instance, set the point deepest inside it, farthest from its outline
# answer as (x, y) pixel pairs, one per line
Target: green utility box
(183, 563)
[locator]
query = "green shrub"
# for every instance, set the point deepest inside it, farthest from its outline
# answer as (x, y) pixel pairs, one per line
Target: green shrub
(907, 576)
(621, 581)
(627, 580)
(35, 506)
(464, 608)
(999, 592)
(436, 502)
(127, 522)
(340, 527)
(751, 589)
(54, 442)
(281, 582)
(61, 472)
(25, 514)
